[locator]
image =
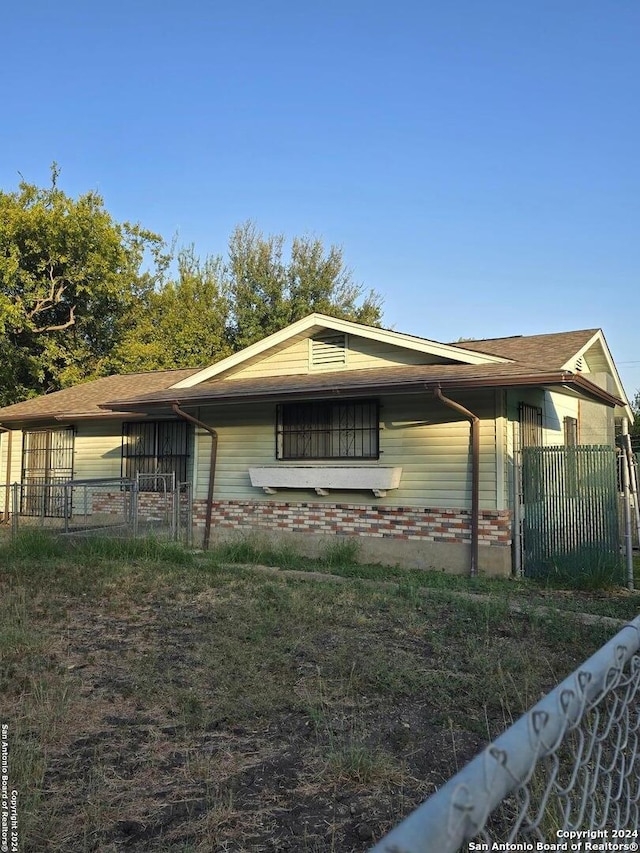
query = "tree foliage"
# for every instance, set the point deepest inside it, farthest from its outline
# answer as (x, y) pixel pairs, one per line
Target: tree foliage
(268, 290)
(214, 307)
(183, 323)
(83, 296)
(69, 275)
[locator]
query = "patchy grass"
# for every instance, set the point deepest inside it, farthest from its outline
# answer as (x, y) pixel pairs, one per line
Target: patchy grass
(163, 700)
(340, 559)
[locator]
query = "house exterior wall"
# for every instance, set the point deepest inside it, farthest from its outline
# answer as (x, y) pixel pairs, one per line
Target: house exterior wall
(423, 523)
(595, 420)
(555, 407)
(597, 423)
(424, 538)
(426, 439)
(13, 472)
(97, 449)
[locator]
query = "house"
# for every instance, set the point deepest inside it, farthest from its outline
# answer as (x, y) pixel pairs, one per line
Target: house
(330, 427)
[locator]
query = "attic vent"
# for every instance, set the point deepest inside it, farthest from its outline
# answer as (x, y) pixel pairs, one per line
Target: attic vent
(579, 364)
(329, 350)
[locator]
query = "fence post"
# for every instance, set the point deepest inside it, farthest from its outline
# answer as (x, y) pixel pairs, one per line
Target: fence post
(175, 511)
(66, 507)
(517, 510)
(14, 509)
(633, 480)
(628, 540)
(134, 509)
(188, 515)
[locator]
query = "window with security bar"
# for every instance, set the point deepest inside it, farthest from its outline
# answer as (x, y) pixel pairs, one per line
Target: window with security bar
(153, 448)
(347, 429)
(530, 418)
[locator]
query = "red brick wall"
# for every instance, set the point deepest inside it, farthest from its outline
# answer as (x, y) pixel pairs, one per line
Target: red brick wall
(428, 524)
(150, 504)
(432, 525)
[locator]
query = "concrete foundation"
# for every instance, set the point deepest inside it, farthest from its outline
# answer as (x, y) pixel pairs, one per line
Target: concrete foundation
(453, 558)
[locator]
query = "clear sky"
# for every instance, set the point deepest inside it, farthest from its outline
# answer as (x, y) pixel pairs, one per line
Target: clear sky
(478, 160)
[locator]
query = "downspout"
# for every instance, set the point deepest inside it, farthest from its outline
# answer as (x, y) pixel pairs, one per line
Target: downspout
(475, 473)
(8, 477)
(212, 467)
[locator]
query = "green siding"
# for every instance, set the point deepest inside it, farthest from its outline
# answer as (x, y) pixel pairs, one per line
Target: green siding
(418, 434)
(97, 449)
(16, 456)
(595, 420)
(284, 362)
(362, 353)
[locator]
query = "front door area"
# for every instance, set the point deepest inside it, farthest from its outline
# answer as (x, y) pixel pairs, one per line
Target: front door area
(47, 461)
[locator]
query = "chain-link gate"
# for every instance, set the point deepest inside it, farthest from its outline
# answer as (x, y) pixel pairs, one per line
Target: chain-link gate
(121, 507)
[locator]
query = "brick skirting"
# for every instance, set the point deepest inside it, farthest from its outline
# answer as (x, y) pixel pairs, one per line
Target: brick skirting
(150, 504)
(428, 524)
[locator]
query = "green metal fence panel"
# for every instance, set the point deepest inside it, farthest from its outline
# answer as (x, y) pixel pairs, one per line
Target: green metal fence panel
(570, 511)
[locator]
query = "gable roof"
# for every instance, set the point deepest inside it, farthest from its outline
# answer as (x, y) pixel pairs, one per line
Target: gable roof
(85, 400)
(313, 323)
(542, 360)
(549, 351)
(558, 349)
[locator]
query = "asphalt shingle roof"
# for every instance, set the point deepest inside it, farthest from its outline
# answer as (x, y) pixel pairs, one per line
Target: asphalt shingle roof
(85, 399)
(544, 351)
(535, 354)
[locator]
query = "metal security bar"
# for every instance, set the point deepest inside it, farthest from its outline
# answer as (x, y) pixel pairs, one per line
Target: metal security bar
(327, 430)
(571, 763)
(155, 447)
(530, 419)
(47, 461)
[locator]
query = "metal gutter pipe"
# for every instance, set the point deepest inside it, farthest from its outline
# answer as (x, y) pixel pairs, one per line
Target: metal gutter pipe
(475, 473)
(212, 467)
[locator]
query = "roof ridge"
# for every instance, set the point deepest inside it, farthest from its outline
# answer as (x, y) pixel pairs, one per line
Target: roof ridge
(524, 337)
(146, 373)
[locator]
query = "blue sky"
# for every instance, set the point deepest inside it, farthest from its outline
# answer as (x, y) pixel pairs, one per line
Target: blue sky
(479, 162)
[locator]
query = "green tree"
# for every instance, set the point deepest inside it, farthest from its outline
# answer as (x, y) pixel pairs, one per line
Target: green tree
(75, 302)
(268, 290)
(69, 276)
(182, 324)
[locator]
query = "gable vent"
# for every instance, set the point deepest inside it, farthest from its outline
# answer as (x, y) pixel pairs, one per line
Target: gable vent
(329, 350)
(579, 364)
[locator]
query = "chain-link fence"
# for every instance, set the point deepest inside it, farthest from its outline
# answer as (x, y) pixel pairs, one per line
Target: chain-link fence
(571, 764)
(153, 504)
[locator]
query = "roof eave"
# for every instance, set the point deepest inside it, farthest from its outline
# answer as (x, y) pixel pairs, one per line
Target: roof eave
(575, 382)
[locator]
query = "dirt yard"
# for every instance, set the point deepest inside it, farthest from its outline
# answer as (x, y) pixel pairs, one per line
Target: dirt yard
(156, 703)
